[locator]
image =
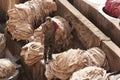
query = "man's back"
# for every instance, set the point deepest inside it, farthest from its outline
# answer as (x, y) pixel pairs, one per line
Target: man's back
(49, 31)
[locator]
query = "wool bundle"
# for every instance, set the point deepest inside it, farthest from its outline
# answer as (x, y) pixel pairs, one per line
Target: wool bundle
(32, 53)
(90, 73)
(38, 36)
(7, 68)
(95, 57)
(23, 16)
(72, 60)
(63, 37)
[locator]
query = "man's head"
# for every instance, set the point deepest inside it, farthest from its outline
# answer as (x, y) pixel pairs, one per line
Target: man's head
(48, 20)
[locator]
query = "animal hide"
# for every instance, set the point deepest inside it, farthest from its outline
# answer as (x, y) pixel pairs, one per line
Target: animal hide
(72, 60)
(24, 16)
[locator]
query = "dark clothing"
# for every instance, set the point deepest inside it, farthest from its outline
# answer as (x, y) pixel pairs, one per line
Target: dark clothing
(49, 39)
(48, 50)
(49, 34)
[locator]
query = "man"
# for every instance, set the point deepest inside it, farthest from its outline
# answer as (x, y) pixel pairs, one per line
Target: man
(49, 29)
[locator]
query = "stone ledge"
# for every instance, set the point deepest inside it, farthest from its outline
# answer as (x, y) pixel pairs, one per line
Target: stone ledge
(109, 25)
(113, 54)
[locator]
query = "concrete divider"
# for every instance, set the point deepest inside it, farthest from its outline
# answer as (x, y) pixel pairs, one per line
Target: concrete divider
(94, 12)
(113, 54)
(88, 33)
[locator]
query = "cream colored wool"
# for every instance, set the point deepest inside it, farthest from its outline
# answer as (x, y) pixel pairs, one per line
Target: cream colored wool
(23, 16)
(7, 68)
(90, 73)
(32, 53)
(72, 60)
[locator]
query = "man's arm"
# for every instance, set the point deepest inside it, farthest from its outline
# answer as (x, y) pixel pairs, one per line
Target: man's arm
(43, 28)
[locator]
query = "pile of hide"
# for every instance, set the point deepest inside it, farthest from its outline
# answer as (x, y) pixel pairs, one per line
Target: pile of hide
(24, 16)
(32, 54)
(63, 36)
(7, 68)
(90, 73)
(72, 60)
(94, 73)
(38, 36)
(2, 43)
(112, 8)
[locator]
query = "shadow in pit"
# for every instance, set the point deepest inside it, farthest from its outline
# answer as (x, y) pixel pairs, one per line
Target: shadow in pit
(76, 41)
